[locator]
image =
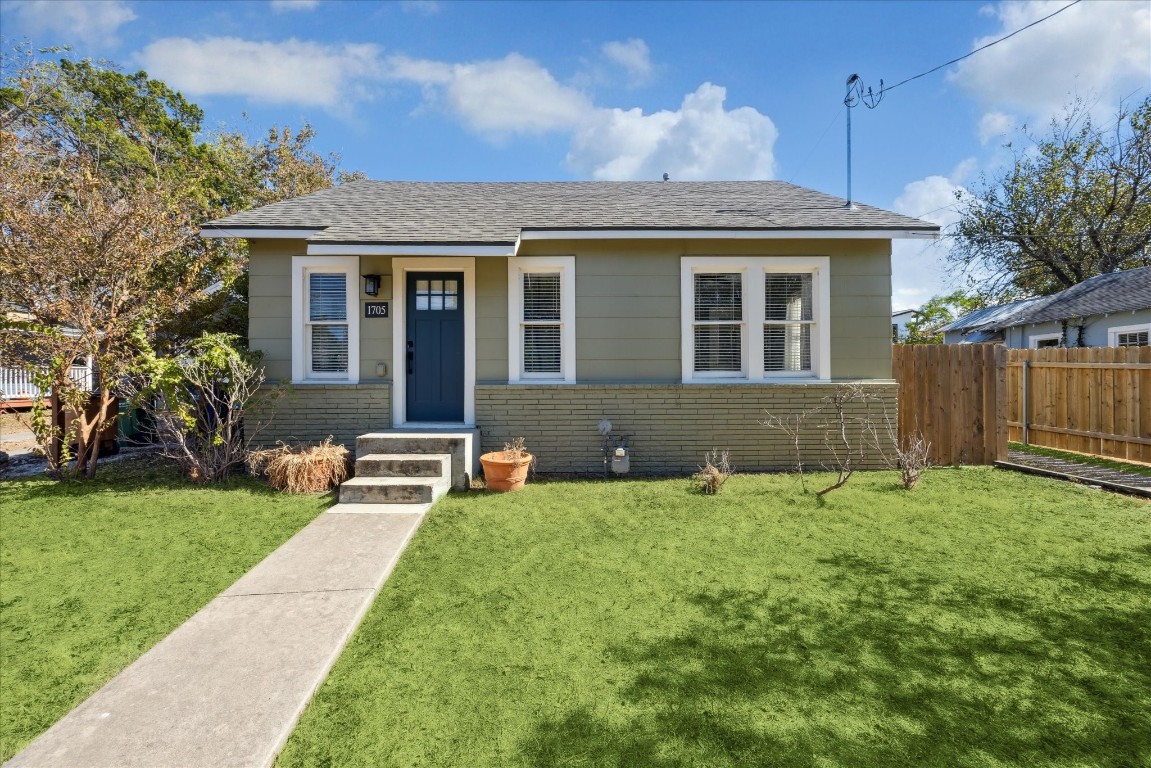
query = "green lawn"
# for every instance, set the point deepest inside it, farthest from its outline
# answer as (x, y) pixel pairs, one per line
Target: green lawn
(94, 574)
(987, 618)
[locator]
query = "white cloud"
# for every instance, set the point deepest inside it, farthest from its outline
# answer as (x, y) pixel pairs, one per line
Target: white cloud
(995, 126)
(515, 95)
(279, 6)
(700, 140)
(289, 72)
(918, 269)
(509, 95)
(1092, 48)
(633, 55)
(89, 21)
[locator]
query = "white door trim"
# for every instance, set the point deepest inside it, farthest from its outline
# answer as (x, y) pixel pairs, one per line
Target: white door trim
(400, 268)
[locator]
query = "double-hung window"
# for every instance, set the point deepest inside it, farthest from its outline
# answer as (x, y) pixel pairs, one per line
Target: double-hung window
(787, 322)
(755, 318)
(718, 324)
(541, 318)
(325, 329)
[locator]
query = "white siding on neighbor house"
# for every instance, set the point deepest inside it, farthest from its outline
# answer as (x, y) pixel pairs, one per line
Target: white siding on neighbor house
(1095, 329)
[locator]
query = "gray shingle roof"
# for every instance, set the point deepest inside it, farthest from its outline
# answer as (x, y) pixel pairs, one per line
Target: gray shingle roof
(990, 317)
(496, 212)
(1100, 295)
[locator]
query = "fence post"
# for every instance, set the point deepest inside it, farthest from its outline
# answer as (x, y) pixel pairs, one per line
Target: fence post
(1023, 401)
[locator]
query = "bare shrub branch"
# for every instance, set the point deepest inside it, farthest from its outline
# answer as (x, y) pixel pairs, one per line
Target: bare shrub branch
(714, 473)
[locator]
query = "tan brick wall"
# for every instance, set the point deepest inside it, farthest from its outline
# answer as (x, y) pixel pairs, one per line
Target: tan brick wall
(311, 412)
(672, 425)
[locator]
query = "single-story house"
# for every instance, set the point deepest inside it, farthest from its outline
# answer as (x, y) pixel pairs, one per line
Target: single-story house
(678, 311)
(1112, 310)
(899, 322)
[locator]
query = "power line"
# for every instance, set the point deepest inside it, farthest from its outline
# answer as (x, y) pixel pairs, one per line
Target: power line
(977, 50)
(803, 163)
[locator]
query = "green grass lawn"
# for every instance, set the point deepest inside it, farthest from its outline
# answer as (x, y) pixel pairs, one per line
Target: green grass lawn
(94, 574)
(987, 618)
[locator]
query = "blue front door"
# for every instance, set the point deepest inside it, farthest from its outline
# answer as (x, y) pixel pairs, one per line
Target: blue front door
(434, 347)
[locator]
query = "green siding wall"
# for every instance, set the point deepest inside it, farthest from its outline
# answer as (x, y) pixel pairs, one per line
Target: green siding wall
(627, 307)
(491, 319)
(270, 303)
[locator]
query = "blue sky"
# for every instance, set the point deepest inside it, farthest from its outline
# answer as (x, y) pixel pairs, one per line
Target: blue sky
(434, 90)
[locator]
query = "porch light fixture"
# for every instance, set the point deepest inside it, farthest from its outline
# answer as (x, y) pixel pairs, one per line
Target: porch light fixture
(372, 285)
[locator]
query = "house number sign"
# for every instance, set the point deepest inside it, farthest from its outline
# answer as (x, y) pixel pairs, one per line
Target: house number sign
(375, 309)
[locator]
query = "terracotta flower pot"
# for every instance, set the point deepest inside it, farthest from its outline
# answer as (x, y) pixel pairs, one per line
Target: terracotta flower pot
(504, 473)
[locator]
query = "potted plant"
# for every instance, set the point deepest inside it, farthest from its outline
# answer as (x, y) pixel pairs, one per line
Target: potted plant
(507, 470)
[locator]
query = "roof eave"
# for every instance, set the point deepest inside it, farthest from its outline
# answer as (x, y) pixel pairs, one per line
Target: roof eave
(248, 232)
(748, 233)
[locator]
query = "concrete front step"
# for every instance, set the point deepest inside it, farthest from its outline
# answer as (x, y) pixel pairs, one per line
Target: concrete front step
(404, 465)
(393, 490)
(461, 444)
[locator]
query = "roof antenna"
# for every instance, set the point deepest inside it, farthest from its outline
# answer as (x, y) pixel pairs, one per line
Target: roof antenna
(855, 95)
(666, 177)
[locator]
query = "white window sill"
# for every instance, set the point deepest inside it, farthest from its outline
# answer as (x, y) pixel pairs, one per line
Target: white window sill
(765, 380)
(323, 382)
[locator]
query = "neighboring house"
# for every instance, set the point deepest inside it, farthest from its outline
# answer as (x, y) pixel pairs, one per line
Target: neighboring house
(899, 321)
(17, 390)
(1112, 310)
(679, 311)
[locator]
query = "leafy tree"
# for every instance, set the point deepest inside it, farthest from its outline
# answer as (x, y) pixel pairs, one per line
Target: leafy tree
(282, 165)
(104, 181)
(84, 263)
(279, 166)
(1075, 203)
(127, 126)
(937, 312)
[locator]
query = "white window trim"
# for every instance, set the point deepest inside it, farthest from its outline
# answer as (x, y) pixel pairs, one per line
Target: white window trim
(1033, 341)
(753, 268)
(1113, 333)
(565, 267)
(350, 266)
(400, 268)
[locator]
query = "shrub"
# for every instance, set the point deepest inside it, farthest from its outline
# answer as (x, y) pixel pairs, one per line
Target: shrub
(302, 469)
(714, 473)
(199, 402)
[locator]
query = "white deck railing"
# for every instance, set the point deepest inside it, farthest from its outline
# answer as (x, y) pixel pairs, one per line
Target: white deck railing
(16, 383)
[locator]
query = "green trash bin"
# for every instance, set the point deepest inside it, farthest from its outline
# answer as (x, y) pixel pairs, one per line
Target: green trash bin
(129, 421)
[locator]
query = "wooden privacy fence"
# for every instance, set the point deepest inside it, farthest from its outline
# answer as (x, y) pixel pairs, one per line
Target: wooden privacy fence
(955, 396)
(1094, 400)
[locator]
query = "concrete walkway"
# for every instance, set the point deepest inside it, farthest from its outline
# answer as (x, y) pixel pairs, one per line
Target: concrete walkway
(227, 687)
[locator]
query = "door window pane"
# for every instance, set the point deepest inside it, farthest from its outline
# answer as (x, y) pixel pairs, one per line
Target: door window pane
(437, 295)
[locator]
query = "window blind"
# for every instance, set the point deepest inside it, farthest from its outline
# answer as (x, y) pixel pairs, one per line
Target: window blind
(327, 327)
(327, 297)
(719, 297)
(541, 296)
(329, 348)
(543, 344)
(1133, 339)
(787, 322)
(718, 323)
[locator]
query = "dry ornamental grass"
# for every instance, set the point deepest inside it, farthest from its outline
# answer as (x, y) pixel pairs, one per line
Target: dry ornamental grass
(302, 469)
